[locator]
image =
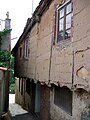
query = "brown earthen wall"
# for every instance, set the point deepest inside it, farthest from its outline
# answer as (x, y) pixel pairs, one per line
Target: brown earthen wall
(45, 103)
(81, 44)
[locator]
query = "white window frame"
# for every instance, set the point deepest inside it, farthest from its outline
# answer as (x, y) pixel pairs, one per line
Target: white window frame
(26, 49)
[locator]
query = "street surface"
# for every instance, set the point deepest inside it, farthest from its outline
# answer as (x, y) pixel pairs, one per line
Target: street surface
(17, 112)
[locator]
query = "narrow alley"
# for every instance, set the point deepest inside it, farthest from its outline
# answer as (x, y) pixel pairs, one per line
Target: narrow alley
(17, 112)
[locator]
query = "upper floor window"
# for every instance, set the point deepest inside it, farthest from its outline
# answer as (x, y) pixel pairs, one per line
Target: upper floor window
(21, 52)
(64, 21)
(26, 48)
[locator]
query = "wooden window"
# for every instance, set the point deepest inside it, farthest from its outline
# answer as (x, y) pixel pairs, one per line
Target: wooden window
(63, 99)
(26, 48)
(64, 21)
(21, 52)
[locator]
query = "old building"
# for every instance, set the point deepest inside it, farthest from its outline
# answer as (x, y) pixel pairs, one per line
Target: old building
(52, 61)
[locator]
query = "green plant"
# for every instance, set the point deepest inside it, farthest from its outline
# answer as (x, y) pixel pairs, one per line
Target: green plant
(4, 58)
(12, 88)
(12, 79)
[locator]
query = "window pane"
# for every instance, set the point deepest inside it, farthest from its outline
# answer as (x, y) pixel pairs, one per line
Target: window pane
(61, 12)
(26, 49)
(61, 24)
(68, 8)
(67, 34)
(68, 21)
(20, 52)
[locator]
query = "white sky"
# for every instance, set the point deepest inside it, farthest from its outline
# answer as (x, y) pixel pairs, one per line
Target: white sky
(19, 12)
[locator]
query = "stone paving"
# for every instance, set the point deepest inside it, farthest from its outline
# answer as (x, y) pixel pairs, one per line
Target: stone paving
(17, 112)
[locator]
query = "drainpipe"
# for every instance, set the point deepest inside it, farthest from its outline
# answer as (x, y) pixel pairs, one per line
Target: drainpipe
(50, 57)
(72, 68)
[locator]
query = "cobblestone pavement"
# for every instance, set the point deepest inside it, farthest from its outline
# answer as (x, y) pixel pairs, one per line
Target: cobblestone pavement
(18, 113)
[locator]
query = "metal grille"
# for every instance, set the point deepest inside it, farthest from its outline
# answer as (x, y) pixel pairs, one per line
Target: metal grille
(63, 99)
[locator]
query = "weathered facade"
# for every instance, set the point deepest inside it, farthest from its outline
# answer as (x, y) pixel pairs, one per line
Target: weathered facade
(52, 61)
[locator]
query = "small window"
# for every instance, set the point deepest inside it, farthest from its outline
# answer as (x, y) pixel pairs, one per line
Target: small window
(26, 48)
(63, 99)
(64, 21)
(21, 52)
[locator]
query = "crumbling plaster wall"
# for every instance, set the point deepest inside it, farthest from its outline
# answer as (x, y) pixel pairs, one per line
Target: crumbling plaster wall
(67, 60)
(61, 65)
(44, 45)
(61, 60)
(81, 43)
(31, 64)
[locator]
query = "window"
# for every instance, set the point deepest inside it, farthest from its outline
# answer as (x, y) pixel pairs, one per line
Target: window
(26, 48)
(21, 52)
(63, 99)
(64, 22)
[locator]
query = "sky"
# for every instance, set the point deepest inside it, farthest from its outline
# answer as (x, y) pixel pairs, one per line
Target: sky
(19, 12)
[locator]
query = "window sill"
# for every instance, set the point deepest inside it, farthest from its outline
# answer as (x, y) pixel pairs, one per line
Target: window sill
(63, 44)
(20, 58)
(26, 58)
